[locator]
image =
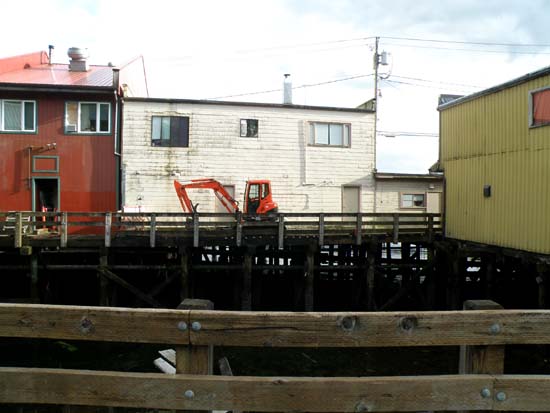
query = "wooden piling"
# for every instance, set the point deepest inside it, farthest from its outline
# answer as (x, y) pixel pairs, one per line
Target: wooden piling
(35, 298)
(195, 359)
(483, 359)
(309, 299)
(371, 262)
(246, 292)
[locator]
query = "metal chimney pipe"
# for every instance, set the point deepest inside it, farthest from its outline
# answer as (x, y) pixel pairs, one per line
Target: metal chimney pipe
(287, 87)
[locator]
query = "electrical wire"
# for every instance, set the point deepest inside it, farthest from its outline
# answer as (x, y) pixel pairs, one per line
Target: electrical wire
(436, 81)
(294, 88)
(406, 133)
(414, 39)
(454, 49)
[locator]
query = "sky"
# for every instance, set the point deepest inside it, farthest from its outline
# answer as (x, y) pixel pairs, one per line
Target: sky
(230, 50)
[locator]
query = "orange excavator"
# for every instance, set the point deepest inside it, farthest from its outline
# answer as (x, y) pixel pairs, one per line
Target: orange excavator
(258, 201)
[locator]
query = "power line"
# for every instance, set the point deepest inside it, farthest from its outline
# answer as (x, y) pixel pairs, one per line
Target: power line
(414, 39)
(454, 49)
(391, 134)
(422, 85)
(436, 81)
(296, 87)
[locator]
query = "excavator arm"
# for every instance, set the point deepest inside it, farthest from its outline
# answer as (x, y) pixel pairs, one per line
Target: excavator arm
(221, 193)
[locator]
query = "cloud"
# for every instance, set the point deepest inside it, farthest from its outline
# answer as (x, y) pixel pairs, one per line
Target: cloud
(217, 48)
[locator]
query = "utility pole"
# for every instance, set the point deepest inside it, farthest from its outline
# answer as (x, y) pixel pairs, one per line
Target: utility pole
(376, 62)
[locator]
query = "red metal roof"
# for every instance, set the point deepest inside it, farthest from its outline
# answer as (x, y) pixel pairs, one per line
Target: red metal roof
(33, 69)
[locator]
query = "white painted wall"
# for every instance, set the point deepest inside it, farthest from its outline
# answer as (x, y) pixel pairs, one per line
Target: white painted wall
(388, 193)
(304, 178)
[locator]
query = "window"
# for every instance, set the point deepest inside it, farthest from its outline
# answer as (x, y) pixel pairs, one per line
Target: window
(87, 117)
(249, 128)
(170, 131)
(329, 134)
(17, 115)
(413, 201)
(540, 108)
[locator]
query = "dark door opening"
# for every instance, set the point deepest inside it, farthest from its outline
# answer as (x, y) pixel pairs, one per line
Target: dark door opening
(46, 195)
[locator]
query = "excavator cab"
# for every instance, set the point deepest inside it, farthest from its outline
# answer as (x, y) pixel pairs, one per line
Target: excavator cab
(258, 199)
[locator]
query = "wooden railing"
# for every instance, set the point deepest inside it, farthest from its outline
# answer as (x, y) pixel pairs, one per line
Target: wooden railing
(482, 333)
(198, 229)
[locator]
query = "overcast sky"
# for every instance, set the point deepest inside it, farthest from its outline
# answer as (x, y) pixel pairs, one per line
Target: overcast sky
(219, 49)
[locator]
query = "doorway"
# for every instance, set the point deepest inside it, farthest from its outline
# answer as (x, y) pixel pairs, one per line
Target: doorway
(45, 194)
(350, 199)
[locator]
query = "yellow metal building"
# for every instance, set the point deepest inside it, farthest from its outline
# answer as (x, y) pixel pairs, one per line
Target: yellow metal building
(495, 151)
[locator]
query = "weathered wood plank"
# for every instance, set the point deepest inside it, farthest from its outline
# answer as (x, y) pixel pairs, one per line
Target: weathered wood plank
(285, 329)
(522, 393)
(268, 394)
(108, 222)
(126, 285)
(126, 325)
(278, 328)
(482, 359)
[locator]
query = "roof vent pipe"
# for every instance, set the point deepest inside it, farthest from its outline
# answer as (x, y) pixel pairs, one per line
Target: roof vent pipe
(78, 62)
(287, 87)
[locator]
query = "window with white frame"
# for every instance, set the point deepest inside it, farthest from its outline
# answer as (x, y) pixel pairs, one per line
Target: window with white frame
(413, 201)
(329, 134)
(87, 117)
(17, 115)
(540, 107)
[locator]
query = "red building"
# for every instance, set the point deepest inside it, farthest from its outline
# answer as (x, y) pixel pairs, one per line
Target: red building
(60, 131)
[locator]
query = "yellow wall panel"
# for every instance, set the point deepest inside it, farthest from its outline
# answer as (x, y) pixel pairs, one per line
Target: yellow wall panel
(488, 141)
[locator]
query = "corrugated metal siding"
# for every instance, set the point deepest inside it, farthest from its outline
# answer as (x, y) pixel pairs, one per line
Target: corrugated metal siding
(488, 141)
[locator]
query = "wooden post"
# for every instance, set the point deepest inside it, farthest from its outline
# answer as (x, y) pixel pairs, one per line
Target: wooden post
(64, 233)
(246, 292)
(104, 283)
(239, 234)
(430, 228)
(108, 222)
(34, 278)
(185, 291)
(309, 293)
(395, 228)
(195, 230)
(482, 359)
(321, 229)
(358, 229)
(194, 359)
(18, 235)
(371, 260)
(153, 231)
(542, 270)
(490, 275)
(281, 231)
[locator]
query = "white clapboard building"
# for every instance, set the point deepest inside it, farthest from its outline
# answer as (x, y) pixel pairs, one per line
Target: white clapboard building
(319, 159)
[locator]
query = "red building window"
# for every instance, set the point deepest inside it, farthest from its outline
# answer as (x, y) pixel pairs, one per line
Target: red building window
(87, 117)
(17, 116)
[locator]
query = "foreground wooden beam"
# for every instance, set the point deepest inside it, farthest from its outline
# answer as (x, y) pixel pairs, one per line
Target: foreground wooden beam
(127, 325)
(395, 329)
(268, 394)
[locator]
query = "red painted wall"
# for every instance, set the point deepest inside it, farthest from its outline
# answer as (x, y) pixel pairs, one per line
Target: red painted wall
(87, 164)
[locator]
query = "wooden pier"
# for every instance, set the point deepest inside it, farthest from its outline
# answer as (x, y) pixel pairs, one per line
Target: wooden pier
(295, 262)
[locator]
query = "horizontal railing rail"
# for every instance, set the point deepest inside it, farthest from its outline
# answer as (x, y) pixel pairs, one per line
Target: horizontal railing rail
(481, 332)
(199, 228)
